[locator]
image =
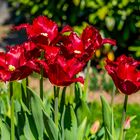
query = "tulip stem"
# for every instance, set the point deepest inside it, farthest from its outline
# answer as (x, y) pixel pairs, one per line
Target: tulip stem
(86, 80)
(123, 118)
(56, 95)
(41, 78)
(27, 82)
(12, 112)
(113, 95)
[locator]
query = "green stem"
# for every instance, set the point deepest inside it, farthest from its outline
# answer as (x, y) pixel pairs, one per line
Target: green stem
(41, 78)
(11, 89)
(56, 95)
(86, 80)
(27, 95)
(113, 95)
(123, 118)
(12, 112)
(27, 82)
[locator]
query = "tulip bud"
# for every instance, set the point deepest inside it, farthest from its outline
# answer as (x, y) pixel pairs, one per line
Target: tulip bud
(95, 127)
(127, 123)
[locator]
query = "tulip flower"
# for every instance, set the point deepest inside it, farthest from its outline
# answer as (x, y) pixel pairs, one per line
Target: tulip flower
(42, 30)
(92, 41)
(16, 64)
(125, 74)
(58, 69)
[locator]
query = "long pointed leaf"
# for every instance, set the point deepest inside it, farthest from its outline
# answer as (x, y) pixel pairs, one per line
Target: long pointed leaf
(5, 133)
(107, 117)
(36, 106)
(27, 130)
(50, 127)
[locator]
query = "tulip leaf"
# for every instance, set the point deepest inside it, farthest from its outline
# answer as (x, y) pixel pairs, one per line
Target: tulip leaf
(27, 130)
(134, 138)
(71, 133)
(22, 137)
(5, 132)
(78, 93)
(62, 102)
(17, 90)
(24, 93)
(86, 83)
(83, 111)
(2, 106)
(24, 107)
(81, 129)
(50, 127)
(109, 134)
(107, 118)
(36, 106)
(62, 124)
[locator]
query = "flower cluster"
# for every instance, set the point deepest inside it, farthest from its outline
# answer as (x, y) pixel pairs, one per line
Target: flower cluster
(65, 53)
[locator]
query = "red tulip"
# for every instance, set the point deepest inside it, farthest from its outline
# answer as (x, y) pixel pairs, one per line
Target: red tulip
(125, 74)
(71, 45)
(58, 69)
(43, 30)
(83, 47)
(15, 64)
(92, 41)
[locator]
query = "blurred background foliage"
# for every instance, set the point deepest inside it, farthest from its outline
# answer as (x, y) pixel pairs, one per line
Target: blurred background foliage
(117, 19)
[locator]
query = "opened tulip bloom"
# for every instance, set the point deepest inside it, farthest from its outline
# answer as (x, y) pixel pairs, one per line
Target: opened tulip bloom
(16, 64)
(59, 70)
(92, 41)
(82, 47)
(42, 31)
(125, 74)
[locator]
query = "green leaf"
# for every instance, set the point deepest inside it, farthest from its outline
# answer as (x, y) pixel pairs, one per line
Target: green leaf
(71, 133)
(62, 102)
(62, 124)
(50, 127)
(27, 130)
(109, 134)
(134, 138)
(107, 118)
(81, 129)
(5, 132)
(24, 107)
(86, 83)
(83, 111)
(36, 107)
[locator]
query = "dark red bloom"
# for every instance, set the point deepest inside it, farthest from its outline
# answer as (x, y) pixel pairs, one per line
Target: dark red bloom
(43, 30)
(82, 47)
(16, 64)
(125, 74)
(92, 41)
(58, 69)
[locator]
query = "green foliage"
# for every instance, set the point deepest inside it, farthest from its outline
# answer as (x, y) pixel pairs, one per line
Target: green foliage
(34, 119)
